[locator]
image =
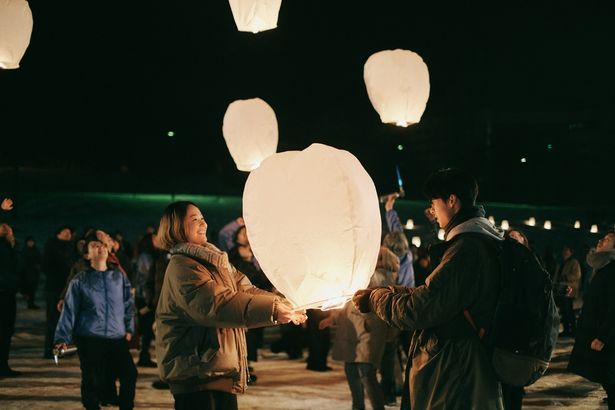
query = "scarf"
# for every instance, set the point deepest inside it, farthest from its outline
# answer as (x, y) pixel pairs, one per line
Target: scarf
(598, 260)
(207, 253)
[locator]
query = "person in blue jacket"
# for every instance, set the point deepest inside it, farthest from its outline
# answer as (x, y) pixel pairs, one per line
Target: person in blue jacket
(98, 316)
(397, 242)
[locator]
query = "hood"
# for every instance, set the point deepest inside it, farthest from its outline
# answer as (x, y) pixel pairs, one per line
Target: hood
(476, 225)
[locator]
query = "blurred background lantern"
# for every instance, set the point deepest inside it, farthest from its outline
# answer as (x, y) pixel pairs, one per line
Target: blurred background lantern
(15, 31)
(594, 229)
(397, 84)
(250, 130)
(255, 15)
(314, 225)
(505, 224)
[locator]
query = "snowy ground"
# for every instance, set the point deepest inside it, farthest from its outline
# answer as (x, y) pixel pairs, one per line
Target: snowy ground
(282, 384)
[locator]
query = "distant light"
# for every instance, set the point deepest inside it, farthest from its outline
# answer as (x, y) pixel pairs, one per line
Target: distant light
(441, 234)
(409, 224)
(549, 146)
(531, 221)
(416, 241)
(401, 123)
(524, 160)
(400, 147)
(492, 220)
(170, 134)
(505, 225)
(577, 224)
(547, 225)
(594, 229)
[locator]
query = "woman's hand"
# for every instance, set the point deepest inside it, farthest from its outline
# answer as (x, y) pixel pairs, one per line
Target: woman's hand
(597, 345)
(128, 337)
(286, 315)
(325, 323)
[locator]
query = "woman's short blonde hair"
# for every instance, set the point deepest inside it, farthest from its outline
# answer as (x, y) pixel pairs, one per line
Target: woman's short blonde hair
(388, 260)
(171, 228)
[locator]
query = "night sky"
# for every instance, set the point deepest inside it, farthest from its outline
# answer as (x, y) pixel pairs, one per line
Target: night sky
(103, 82)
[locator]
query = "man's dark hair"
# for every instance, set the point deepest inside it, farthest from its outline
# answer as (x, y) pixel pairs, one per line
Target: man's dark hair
(89, 238)
(445, 182)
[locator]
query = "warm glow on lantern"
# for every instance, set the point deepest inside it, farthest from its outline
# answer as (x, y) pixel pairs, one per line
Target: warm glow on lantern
(250, 130)
(441, 234)
(531, 221)
(416, 241)
(409, 224)
(313, 222)
(397, 83)
(547, 225)
(594, 229)
(255, 15)
(505, 225)
(577, 224)
(15, 31)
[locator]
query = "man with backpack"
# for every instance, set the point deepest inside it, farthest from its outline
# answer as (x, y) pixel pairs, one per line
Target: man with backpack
(450, 366)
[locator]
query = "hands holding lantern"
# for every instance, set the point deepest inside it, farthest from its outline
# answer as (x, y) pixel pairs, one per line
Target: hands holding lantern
(283, 314)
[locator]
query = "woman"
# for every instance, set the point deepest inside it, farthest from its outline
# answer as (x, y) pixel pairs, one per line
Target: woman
(205, 305)
(593, 355)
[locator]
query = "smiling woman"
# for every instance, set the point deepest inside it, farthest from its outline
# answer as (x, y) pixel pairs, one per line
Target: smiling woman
(204, 308)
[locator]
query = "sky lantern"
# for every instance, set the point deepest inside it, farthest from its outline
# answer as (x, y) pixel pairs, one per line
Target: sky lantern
(547, 225)
(255, 15)
(594, 229)
(397, 84)
(15, 31)
(531, 221)
(313, 222)
(505, 224)
(250, 130)
(577, 224)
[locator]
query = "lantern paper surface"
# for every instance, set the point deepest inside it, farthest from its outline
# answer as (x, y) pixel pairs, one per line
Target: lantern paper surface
(397, 83)
(15, 31)
(313, 222)
(250, 130)
(255, 15)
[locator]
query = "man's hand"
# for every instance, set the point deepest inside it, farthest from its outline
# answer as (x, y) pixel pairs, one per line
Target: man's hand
(597, 345)
(286, 315)
(7, 204)
(390, 202)
(128, 337)
(325, 323)
(361, 300)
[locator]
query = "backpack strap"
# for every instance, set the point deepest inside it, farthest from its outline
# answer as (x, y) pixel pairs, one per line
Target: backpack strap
(468, 316)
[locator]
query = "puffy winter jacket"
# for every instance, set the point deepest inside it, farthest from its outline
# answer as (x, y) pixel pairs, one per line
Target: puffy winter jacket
(97, 304)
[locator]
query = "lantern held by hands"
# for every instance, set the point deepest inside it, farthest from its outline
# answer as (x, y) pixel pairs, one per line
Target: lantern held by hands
(313, 222)
(397, 83)
(250, 130)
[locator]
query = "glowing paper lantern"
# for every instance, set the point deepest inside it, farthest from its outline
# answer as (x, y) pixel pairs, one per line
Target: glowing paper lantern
(547, 225)
(505, 225)
(409, 224)
(250, 130)
(416, 241)
(492, 220)
(397, 84)
(531, 221)
(255, 15)
(577, 224)
(15, 31)
(441, 234)
(594, 229)
(313, 222)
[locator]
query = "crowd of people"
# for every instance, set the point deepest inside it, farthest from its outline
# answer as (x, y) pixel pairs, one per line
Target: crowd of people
(205, 307)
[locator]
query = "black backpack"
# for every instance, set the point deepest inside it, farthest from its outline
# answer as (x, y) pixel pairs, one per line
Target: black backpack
(525, 325)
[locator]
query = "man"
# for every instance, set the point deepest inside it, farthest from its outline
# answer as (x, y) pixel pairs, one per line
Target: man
(567, 282)
(593, 356)
(450, 366)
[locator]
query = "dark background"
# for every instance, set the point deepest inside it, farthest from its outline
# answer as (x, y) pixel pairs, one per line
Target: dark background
(102, 83)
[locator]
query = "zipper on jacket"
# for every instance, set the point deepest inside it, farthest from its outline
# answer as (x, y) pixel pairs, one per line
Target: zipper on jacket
(104, 277)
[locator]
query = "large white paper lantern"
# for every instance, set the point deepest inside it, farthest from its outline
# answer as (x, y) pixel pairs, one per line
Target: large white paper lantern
(250, 130)
(397, 84)
(313, 222)
(255, 15)
(15, 31)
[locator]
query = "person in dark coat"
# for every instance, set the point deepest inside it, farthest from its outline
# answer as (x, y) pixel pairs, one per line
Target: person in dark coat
(450, 367)
(58, 259)
(8, 290)
(593, 355)
(30, 261)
